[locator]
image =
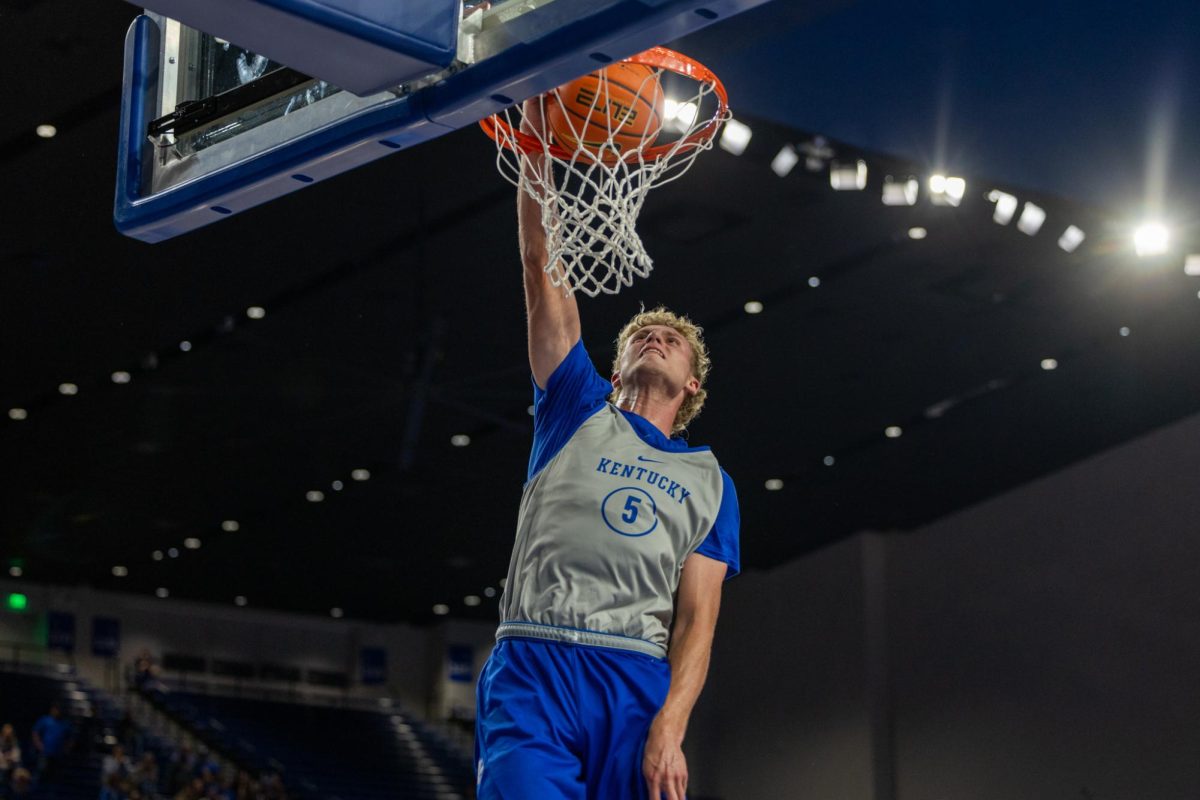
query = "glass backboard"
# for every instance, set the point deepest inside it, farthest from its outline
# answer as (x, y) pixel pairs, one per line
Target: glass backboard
(210, 128)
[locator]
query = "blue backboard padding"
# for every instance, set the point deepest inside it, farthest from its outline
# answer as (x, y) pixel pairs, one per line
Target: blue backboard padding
(363, 46)
(598, 30)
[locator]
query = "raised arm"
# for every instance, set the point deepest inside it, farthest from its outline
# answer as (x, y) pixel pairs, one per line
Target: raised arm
(553, 315)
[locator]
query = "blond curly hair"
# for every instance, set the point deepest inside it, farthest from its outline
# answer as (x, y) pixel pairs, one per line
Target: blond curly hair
(701, 364)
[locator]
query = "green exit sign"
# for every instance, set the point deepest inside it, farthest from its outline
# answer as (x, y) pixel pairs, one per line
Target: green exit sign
(17, 602)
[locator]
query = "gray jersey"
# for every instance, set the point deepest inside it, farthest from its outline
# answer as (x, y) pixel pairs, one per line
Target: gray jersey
(606, 524)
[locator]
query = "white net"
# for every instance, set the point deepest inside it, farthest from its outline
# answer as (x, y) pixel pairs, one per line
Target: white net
(590, 196)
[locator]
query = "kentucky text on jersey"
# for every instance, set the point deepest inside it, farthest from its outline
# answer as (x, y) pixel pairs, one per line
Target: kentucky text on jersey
(652, 477)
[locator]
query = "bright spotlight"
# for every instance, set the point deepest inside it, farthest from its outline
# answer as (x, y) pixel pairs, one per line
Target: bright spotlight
(784, 160)
(946, 191)
(1032, 217)
(848, 177)
(917, 233)
(1151, 239)
(1191, 265)
(1006, 206)
(900, 193)
(735, 137)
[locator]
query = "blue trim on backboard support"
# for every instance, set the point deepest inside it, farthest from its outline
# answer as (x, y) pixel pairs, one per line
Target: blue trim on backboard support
(363, 46)
(597, 31)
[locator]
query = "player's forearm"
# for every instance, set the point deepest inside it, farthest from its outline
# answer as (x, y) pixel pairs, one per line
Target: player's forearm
(691, 649)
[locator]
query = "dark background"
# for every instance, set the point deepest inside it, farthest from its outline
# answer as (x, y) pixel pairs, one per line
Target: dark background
(394, 318)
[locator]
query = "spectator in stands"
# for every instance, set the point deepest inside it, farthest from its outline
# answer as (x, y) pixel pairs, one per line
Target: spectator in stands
(182, 769)
(116, 763)
(194, 790)
(10, 753)
(19, 786)
(129, 735)
(145, 674)
(207, 763)
(145, 775)
(111, 789)
(51, 738)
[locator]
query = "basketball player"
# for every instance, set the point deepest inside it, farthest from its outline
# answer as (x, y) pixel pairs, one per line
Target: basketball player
(624, 537)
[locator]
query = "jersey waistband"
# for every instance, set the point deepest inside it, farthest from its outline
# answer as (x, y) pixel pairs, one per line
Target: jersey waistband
(550, 633)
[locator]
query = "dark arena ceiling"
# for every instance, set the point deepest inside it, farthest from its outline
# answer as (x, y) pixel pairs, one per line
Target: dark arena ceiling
(393, 321)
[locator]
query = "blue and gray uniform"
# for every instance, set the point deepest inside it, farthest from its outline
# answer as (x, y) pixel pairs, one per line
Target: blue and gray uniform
(611, 510)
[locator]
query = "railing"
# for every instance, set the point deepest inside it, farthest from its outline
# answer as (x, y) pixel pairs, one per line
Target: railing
(23, 656)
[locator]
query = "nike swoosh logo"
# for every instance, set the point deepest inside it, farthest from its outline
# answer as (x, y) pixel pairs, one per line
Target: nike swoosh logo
(651, 460)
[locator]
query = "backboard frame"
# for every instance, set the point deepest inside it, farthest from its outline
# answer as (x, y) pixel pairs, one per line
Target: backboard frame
(501, 62)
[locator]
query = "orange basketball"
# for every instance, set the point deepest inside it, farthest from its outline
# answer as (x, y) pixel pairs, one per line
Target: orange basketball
(622, 102)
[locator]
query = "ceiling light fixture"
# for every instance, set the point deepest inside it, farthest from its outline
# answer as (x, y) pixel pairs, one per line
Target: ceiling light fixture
(46, 131)
(1032, 217)
(753, 307)
(1151, 239)
(784, 161)
(1071, 238)
(460, 440)
(119, 571)
(893, 431)
(121, 376)
(946, 191)
(441, 609)
(735, 137)
(1006, 206)
(851, 177)
(361, 475)
(230, 526)
(773, 484)
(900, 192)
(17, 414)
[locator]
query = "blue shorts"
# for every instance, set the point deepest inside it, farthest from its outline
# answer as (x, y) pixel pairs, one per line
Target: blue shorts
(563, 721)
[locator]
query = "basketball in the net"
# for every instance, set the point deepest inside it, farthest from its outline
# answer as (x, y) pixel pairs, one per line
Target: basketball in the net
(618, 107)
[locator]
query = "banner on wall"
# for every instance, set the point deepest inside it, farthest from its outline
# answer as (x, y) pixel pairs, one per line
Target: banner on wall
(373, 663)
(60, 631)
(461, 658)
(106, 637)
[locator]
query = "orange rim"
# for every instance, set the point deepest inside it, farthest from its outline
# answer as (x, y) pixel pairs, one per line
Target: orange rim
(507, 136)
